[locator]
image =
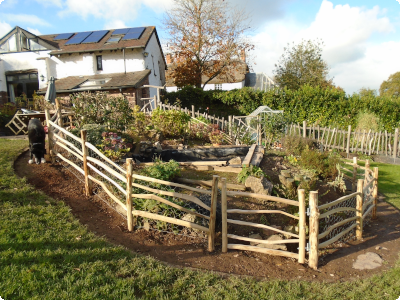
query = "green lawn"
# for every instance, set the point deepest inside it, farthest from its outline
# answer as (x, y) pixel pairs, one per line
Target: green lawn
(46, 254)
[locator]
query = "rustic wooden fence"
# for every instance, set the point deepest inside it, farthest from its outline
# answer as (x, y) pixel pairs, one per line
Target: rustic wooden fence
(337, 220)
(367, 142)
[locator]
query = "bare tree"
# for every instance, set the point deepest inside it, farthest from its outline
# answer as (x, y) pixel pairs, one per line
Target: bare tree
(207, 38)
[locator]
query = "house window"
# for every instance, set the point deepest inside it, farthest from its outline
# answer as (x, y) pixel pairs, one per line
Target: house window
(218, 86)
(22, 84)
(99, 61)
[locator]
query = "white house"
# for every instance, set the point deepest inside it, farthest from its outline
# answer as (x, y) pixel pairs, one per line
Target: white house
(119, 61)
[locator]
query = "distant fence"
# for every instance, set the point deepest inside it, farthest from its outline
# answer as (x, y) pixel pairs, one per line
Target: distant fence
(349, 141)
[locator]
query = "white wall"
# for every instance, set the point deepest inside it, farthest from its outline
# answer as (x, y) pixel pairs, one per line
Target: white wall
(84, 64)
(22, 61)
(155, 58)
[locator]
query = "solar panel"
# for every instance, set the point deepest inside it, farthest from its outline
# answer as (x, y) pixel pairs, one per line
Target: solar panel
(63, 36)
(95, 37)
(120, 31)
(135, 34)
(78, 38)
(136, 29)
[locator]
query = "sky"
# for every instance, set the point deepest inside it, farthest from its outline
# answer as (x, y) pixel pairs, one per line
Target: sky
(361, 38)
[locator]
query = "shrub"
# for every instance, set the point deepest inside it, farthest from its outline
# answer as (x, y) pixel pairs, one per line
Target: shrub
(171, 123)
(323, 164)
(162, 170)
(113, 146)
(368, 121)
(100, 108)
(94, 133)
(295, 145)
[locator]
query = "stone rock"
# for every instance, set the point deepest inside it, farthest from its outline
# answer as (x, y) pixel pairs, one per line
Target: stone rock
(259, 185)
(282, 179)
(255, 236)
(158, 146)
(146, 226)
(292, 229)
(180, 147)
(235, 161)
(189, 218)
(270, 231)
(271, 238)
(368, 261)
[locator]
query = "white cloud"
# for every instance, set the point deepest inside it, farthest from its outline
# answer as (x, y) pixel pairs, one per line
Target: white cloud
(115, 24)
(34, 31)
(123, 10)
(4, 28)
(346, 31)
(25, 19)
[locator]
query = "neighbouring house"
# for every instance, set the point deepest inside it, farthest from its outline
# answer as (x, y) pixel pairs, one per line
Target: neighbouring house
(119, 61)
(235, 80)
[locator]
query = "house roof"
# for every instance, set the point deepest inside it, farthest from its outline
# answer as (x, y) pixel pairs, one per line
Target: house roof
(118, 80)
(237, 73)
(58, 46)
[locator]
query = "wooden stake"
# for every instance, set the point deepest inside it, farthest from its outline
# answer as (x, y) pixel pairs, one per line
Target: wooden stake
(230, 128)
(302, 226)
(396, 141)
(375, 193)
(304, 129)
(353, 182)
(224, 207)
(314, 231)
(59, 114)
(367, 169)
(49, 131)
(213, 214)
(88, 182)
(359, 212)
(129, 170)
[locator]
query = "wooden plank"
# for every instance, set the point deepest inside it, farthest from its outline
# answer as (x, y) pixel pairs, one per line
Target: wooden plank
(224, 207)
(314, 230)
(263, 197)
(265, 242)
(302, 224)
(241, 187)
(257, 158)
(228, 169)
(213, 214)
(188, 224)
(129, 170)
(263, 250)
(237, 222)
(247, 159)
(242, 211)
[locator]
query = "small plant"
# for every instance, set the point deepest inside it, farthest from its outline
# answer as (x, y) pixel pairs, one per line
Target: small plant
(291, 159)
(295, 145)
(363, 156)
(216, 136)
(162, 170)
(113, 146)
(250, 171)
(338, 183)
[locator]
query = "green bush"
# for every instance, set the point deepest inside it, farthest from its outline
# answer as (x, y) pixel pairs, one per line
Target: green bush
(368, 121)
(323, 164)
(162, 170)
(295, 145)
(172, 123)
(94, 133)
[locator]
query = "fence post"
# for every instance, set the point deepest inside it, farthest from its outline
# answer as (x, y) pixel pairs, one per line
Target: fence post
(213, 213)
(375, 193)
(49, 132)
(224, 208)
(59, 114)
(193, 112)
(353, 182)
(304, 129)
(88, 182)
(348, 141)
(230, 128)
(359, 212)
(314, 231)
(155, 101)
(129, 169)
(396, 141)
(302, 226)
(367, 169)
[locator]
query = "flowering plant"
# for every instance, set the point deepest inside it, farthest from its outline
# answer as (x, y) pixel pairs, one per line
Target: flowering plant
(113, 146)
(216, 136)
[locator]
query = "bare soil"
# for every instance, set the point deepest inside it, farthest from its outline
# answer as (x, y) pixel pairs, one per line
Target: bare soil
(181, 251)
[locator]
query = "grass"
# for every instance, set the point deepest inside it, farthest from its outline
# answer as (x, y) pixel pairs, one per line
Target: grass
(46, 254)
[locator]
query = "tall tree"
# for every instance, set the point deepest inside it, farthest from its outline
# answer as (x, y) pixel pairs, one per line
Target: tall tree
(391, 87)
(207, 38)
(302, 64)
